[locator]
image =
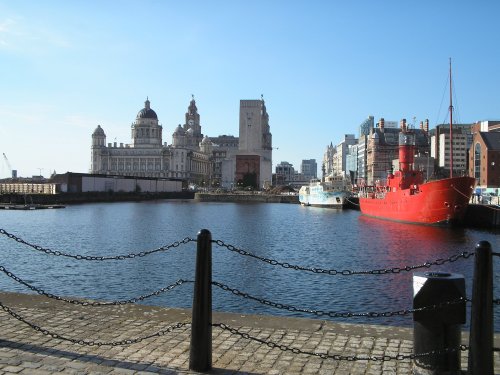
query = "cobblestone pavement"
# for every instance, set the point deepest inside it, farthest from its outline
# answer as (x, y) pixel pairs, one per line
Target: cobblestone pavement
(26, 351)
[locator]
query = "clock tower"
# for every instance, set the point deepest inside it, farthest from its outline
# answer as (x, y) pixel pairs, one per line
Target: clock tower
(193, 118)
(192, 125)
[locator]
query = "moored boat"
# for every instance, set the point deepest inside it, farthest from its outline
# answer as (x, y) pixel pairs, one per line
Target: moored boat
(403, 198)
(333, 192)
(406, 197)
(32, 206)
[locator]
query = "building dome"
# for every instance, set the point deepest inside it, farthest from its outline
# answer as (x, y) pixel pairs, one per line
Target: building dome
(147, 112)
(179, 130)
(98, 131)
(206, 141)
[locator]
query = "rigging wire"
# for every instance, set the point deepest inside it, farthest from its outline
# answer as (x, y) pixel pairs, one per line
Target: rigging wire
(442, 100)
(456, 113)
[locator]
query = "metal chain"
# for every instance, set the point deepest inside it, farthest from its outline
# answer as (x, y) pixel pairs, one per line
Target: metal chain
(336, 357)
(90, 257)
(93, 303)
(54, 335)
(232, 330)
(334, 314)
(438, 262)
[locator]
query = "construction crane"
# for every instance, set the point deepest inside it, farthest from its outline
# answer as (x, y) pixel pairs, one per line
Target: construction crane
(7, 162)
(11, 172)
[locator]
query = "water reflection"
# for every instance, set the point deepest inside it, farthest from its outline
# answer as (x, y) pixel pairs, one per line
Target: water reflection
(412, 240)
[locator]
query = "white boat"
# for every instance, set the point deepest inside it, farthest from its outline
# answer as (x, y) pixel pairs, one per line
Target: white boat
(333, 192)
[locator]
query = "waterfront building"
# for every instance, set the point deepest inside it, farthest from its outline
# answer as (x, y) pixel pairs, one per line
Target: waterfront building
(364, 131)
(29, 188)
(86, 183)
(328, 158)
(383, 147)
(484, 156)
(351, 163)
(207, 162)
(253, 160)
(375, 152)
(362, 152)
(440, 148)
(71, 182)
(486, 126)
(285, 173)
(190, 152)
(334, 158)
(147, 156)
(342, 152)
(309, 169)
(224, 151)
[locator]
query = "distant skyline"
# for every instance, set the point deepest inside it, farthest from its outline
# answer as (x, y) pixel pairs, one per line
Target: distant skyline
(322, 67)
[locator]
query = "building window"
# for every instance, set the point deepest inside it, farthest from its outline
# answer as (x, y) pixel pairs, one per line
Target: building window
(477, 161)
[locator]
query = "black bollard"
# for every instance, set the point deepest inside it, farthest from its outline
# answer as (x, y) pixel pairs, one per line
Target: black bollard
(438, 329)
(200, 355)
(481, 319)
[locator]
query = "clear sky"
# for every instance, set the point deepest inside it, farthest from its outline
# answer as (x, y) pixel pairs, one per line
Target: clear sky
(322, 66)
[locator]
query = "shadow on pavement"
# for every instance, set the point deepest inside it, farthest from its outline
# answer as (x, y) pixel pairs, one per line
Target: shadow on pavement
(98, 360)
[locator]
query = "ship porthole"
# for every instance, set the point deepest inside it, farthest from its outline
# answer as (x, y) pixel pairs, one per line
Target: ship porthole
(447, 204)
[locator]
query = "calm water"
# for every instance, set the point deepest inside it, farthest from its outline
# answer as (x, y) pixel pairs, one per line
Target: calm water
(309, 237)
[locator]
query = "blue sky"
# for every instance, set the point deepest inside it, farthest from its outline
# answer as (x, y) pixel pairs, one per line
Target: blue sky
(322, 66)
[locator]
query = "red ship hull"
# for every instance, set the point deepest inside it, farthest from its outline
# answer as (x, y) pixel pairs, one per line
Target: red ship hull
(435, 202)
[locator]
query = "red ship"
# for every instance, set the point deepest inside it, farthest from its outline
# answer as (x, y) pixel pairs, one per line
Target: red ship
(406, 197)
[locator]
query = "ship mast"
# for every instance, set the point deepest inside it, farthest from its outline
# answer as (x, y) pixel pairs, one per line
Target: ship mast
(451, 126)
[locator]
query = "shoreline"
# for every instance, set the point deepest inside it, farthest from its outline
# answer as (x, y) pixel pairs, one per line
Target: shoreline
(93, 197)
(246, 197)
(479, 216)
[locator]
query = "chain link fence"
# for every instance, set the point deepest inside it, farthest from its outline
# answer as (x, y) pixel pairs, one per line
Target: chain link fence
(236, 292)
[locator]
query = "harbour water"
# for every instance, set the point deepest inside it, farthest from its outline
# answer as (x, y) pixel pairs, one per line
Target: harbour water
(288, 233)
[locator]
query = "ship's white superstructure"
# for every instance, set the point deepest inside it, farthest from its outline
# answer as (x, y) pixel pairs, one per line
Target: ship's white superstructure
(333, 192)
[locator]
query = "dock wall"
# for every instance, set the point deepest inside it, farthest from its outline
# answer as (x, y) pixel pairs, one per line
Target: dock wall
(94, 197)
(240, 198)
(482, 216)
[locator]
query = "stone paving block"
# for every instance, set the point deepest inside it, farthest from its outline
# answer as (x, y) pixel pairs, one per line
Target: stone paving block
(122, 371)
(13, 369)
(10, 361)
(37, 372)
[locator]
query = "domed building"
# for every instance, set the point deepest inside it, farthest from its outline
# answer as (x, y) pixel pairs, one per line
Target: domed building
(147, 155)
(146, 131)
(196, 159)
